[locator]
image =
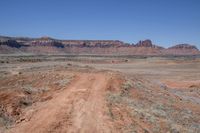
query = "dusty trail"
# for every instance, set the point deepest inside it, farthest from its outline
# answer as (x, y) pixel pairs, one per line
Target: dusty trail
(81, 107)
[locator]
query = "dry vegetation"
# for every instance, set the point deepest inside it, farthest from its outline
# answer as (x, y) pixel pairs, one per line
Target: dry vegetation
(99, 94)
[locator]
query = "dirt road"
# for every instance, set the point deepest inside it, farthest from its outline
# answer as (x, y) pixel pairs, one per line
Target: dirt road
(80, 107)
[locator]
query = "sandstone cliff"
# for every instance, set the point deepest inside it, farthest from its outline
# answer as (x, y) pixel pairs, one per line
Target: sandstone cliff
(47, 45)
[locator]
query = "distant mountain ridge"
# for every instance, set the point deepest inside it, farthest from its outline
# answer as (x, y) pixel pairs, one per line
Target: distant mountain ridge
(48, 45)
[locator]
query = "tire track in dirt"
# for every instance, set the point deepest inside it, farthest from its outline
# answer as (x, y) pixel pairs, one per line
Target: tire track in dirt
(81, 107)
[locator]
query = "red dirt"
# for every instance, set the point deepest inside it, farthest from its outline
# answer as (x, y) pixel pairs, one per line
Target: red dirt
(79, 108)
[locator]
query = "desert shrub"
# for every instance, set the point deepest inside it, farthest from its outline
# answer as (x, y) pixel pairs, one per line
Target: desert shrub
(69, 64)
(126, 88)
(4, 118)
(194, 86)
(126, 60)
(20, 73)
(114, 98)
(63, 82)
(139, 85)
(25, 101)
(32, 90)
(110, 113)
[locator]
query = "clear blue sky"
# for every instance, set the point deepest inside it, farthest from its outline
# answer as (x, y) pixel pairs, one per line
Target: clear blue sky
(165, 22)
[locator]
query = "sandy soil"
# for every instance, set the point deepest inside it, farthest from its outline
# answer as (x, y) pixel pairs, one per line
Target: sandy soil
(138, 95)
(79, 108)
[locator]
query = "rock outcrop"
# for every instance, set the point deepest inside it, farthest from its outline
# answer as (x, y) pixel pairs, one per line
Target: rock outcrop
(145, 43)
(179, 49)
(47, 45)
(183, 46)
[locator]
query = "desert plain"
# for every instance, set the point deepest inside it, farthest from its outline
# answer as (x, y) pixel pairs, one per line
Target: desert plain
(99, 94)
